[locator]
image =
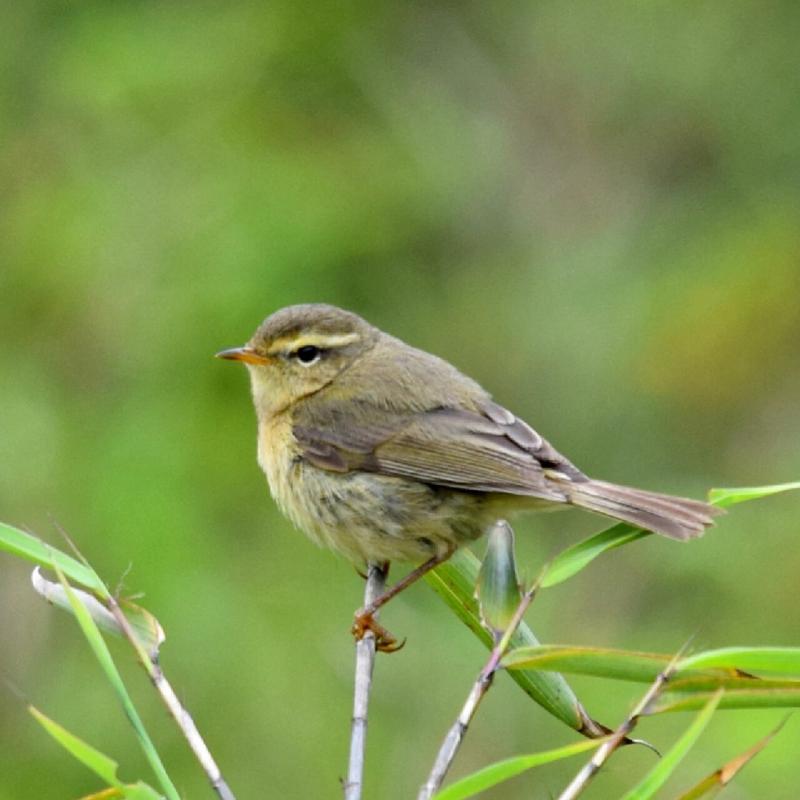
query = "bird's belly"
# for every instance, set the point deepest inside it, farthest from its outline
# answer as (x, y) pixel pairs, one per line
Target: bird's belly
(371, 517)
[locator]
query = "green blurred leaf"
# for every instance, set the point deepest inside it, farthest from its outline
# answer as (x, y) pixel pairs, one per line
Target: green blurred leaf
(714, 783)
(19, 543)
(785, 660)
(729, 497)
(140, 791)
(509, 768)
(128, 791)
(497, 587)
(572, 560)
(100, 649)
(99, 763)
(661, 772)
(146, 627)
(454, 581)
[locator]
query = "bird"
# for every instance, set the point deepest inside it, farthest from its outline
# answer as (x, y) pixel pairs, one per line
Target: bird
(384, 452)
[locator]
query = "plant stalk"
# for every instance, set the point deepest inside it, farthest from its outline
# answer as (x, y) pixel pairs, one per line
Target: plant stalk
(365, 663)
(177, 711)
(455, 736)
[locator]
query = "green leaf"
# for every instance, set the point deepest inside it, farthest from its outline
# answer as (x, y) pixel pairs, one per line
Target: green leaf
(509, 768)
(661, 772)
(99, 763)
(575, 558)
(602, 662)
(709, 681)
(721, 777)
(100, 649)
(787, 697)
(146, 627)
(572, 560)
(454, 582)
(729, 497)
(630, 665)
(785, 660)
(19, 543)
(497, 587)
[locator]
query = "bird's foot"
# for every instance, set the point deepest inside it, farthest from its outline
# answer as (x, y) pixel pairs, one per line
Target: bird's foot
(364, 621)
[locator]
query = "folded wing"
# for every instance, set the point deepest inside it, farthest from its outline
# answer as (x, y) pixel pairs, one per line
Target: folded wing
(487, 449)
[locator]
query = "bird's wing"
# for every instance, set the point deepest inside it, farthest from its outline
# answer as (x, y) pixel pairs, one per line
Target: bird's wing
(487, 449)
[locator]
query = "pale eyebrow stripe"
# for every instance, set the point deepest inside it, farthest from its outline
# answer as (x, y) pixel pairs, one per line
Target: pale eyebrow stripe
(321, 340)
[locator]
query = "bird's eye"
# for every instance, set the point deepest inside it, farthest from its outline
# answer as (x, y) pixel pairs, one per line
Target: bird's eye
(307, 354)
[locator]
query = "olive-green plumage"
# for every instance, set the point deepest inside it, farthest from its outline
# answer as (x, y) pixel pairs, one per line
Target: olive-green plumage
(383, 452)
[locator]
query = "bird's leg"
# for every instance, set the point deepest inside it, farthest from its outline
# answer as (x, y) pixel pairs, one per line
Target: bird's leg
(365, 617)
(384, 565)
(404, 583)
(365, 620)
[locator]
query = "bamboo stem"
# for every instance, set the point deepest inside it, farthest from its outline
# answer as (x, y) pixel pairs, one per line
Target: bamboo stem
(455, 736)
(365, 662)
(176, 709)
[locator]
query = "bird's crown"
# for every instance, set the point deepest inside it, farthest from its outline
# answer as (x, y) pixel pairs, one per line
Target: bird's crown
(316, 325)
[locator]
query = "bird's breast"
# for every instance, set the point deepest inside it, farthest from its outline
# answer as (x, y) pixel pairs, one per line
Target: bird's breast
(276, 456)
(306, 495)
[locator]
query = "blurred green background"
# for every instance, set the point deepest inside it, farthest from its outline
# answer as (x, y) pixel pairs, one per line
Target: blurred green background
(590, 207)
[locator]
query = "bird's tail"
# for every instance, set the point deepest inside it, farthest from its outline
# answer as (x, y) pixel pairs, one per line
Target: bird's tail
(676, 517)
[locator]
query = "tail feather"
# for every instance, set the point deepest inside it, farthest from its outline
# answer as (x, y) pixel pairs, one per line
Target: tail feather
(676, 517)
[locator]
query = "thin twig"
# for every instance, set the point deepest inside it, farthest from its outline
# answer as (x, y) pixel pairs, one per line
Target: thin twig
(174, 706)
(149, 661)
(455, 736)
(365, 661)
(620, 735)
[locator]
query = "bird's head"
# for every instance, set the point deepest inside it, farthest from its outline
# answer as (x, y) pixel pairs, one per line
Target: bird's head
(299, 350)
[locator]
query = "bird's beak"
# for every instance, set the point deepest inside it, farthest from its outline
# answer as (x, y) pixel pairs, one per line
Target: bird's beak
(245, 354)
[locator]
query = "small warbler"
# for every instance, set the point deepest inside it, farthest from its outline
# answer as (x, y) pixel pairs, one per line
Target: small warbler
(384, 452)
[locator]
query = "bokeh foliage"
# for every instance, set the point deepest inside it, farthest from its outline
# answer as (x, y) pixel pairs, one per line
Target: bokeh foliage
(592, 208)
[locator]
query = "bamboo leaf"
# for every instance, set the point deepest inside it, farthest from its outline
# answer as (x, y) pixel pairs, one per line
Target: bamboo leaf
(575, 558)
(509, 768)
(146, 627)
(709, 681)
(454, 582)
(97, 762)
(661, 772)
(572, 560)
(602, 662)
(22, 544)
(497, 587)
(787, 697)
(721, 777)
(631, 665)
(100, 649)
(785, 660)
(729, 497)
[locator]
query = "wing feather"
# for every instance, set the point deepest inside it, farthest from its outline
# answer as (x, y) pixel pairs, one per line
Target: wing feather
(487, 449)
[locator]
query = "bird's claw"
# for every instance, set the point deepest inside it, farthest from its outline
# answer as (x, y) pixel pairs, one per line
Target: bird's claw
(364, 622)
